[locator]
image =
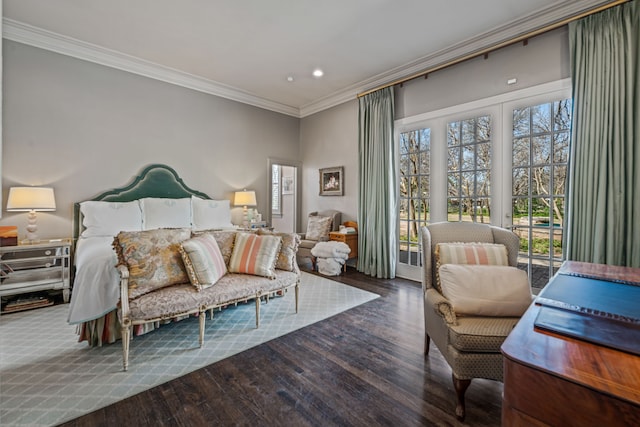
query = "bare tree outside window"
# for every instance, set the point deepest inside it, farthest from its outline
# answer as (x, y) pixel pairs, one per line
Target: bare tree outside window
(415, 147)
(540, 148)
(469, 170)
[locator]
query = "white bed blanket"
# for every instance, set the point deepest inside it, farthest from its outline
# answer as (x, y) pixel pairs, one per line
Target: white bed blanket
(96, 287)
(331, 249)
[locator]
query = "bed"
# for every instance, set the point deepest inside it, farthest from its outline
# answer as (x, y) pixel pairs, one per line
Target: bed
(156, 198)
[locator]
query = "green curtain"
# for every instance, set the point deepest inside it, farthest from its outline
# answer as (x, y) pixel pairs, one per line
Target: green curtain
(378, 189)
(603, 201)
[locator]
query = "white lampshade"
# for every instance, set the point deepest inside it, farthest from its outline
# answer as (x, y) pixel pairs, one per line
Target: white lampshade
(31, 199)
(245, 198)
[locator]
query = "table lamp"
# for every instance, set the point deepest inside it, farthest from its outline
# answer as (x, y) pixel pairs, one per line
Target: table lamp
(245, 198)
(31, 199)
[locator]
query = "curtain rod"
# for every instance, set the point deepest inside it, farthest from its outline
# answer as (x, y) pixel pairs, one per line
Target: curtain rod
(497, 46)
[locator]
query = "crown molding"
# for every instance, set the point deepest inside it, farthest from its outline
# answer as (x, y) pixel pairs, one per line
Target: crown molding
(38, 37)
(529, 23)
(27, 34)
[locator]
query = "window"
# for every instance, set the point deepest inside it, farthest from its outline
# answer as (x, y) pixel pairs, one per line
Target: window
(276, 190)
(540, 150)
(469, 170)
(414, 192)
(499, 161)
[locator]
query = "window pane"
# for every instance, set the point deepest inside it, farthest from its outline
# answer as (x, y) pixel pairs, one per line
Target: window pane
(559, 180)
(453, 134)
(562, 112)
(541, 149)
(541, 118)
(521, 122)
(540, 180)
(520, 152)
(484, 156)
(453, 185)
(468, 131)
(453, 159)
(520, 182)
(484, 128)
(468, 158)
(561, 147)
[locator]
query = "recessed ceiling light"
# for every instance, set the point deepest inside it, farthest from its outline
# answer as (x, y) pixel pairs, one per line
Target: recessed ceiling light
(318, 72)
(290, 78)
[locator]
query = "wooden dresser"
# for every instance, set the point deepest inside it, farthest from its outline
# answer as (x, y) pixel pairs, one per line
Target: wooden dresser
(554, 380)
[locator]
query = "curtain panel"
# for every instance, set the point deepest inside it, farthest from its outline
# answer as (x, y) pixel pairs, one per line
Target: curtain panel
(603, 203)
(378, 188)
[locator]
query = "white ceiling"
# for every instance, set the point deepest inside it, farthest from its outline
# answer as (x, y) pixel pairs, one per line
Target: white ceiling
(245, 49)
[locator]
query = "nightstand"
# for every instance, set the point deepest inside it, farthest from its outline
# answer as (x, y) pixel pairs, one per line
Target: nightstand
(351, 239)
(34, 267)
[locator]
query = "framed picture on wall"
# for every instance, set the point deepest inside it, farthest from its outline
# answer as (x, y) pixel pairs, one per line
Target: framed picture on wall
(332, 181)
(287, 185)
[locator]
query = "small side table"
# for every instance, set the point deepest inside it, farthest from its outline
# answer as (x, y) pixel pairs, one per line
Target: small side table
(39, 266)
(351, 239)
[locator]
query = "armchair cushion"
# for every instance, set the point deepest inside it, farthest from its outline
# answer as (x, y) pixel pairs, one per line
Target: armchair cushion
(318, 228)
(485, 290)
(468, 253)
(480, 334)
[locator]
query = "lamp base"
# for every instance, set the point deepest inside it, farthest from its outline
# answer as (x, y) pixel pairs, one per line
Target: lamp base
(245, 217)
(32, 226)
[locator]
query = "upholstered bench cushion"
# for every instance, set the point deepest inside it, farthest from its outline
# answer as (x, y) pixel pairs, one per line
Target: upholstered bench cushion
(175, 300)
(480, 334)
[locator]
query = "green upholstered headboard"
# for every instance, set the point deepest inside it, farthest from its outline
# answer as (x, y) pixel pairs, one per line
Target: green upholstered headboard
(155, 180)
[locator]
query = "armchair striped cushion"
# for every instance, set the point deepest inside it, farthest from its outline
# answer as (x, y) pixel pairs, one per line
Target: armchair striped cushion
(469, 253)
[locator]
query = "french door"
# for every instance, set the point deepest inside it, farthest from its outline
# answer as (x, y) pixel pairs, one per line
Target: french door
(501, 161)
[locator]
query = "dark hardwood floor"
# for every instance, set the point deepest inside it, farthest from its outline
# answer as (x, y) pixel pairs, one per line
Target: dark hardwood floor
(362, 367)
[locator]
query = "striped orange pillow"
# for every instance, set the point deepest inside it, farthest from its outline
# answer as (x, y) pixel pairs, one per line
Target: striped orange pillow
(253, 254)
(469, 253)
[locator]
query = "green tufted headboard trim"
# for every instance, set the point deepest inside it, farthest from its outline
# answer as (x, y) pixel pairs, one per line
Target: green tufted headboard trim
(155, 180)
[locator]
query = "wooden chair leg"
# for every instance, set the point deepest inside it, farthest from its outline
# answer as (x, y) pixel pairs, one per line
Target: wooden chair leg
(126, 339)
(427, 341)
(461, 387)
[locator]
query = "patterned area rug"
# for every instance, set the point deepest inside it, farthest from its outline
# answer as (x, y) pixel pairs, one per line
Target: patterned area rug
(47, 377)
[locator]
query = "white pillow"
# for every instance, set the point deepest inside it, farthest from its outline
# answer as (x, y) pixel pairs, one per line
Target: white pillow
(486, 290)
(165, 213)
(210, 214)
(110, 218)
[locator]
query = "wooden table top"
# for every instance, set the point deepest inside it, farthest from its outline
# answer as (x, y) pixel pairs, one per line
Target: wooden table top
(606, 370)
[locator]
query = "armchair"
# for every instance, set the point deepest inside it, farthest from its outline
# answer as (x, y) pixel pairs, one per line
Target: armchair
(308, 241)
(469, 343)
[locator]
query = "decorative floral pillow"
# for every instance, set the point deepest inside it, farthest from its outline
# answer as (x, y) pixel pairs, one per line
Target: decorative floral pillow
(253, 254)
(287, 255)
(318, 227)
(469, 253)
(203, 261)
(153, 258)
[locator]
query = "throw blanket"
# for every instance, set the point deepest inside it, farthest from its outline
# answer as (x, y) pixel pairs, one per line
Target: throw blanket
(331, 256)
(331, 249)
(330, 266)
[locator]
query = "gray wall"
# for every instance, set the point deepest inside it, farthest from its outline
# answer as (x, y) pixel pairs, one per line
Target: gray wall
(330, 138)
(83, 128)
(327, 139)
